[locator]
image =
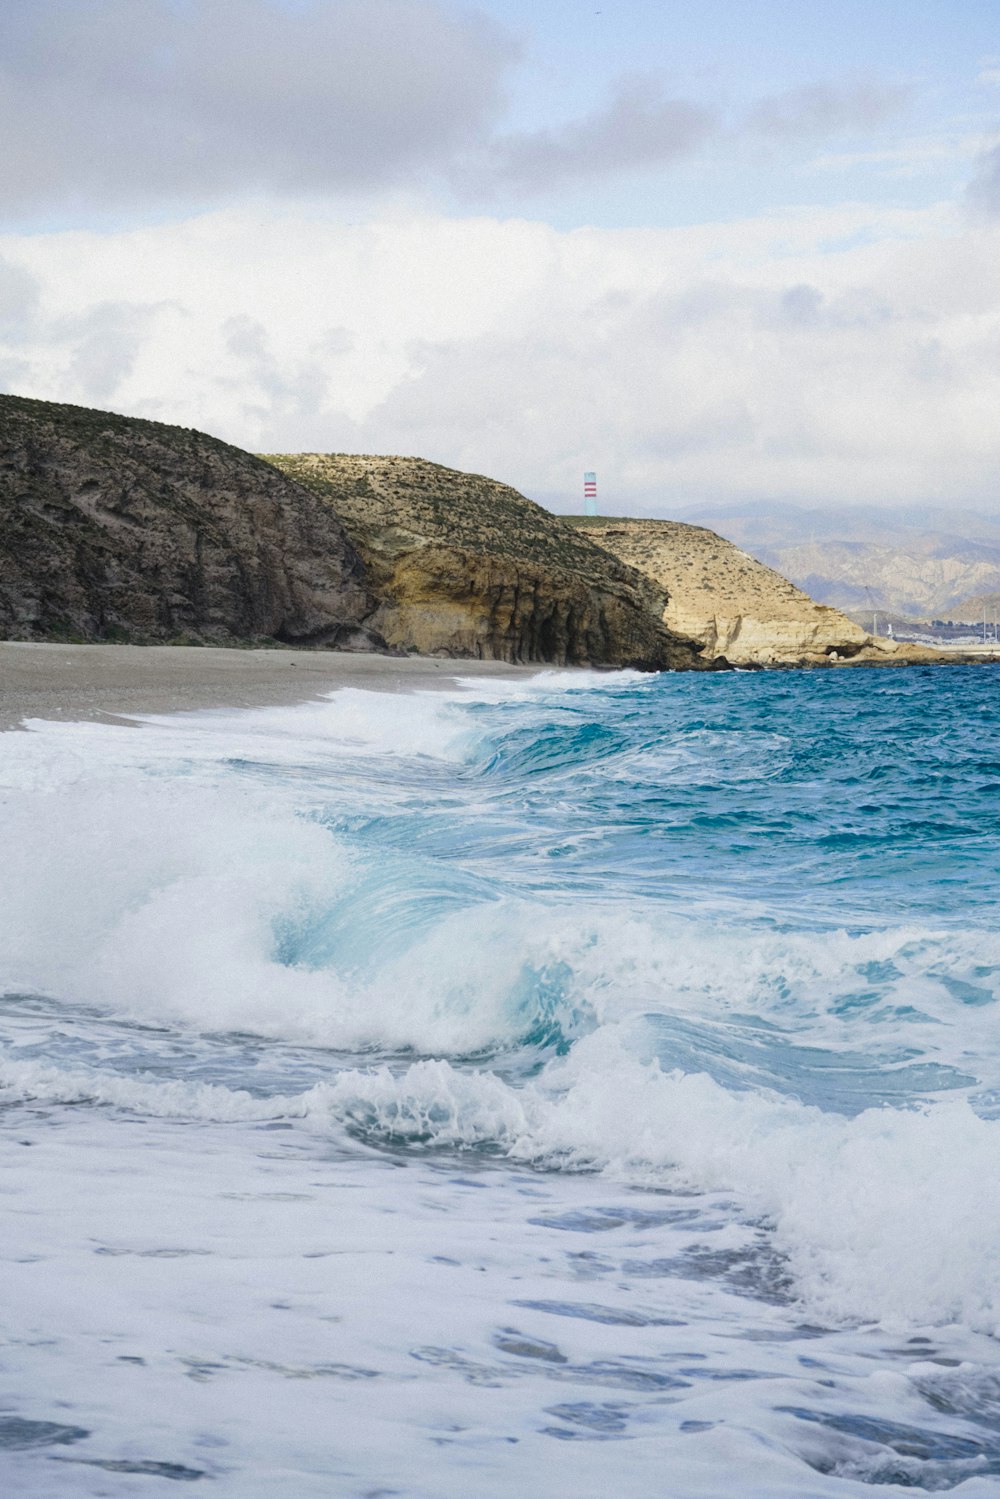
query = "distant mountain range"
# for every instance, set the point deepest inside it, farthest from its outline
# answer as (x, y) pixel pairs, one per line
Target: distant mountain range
(983, 606)
(918, 563)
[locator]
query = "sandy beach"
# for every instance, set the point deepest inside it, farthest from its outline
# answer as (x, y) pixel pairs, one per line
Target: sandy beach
(112, 681)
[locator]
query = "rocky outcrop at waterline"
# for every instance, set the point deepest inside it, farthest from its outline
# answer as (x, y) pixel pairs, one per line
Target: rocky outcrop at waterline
(465, 566)
(114, 528)
(733, 605)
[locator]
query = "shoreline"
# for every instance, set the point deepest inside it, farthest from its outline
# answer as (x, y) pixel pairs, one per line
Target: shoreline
(45, 680)
(39, 679)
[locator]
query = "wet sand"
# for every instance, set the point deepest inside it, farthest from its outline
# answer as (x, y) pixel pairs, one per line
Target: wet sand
(111, 681)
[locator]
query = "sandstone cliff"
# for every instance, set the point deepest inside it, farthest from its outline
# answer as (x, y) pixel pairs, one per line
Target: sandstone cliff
(464, 566)
(113, 528)
(731, 604)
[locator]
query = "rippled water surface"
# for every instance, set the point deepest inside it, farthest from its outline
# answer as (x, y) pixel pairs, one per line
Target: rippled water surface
(587, 1085)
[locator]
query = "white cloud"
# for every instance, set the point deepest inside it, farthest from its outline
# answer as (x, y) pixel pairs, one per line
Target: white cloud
(708, 362)
(915, 157)
(110, 103)
(113, 109)
(640, 127)
(828, 108)
(984, 189)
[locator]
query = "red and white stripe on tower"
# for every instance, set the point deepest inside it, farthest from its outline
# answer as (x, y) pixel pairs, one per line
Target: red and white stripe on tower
(590, 493)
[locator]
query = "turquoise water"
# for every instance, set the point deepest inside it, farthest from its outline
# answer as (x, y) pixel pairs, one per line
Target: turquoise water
(558, 1081)
(826, 797)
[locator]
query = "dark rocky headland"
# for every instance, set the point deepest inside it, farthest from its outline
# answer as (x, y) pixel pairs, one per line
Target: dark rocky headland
(118, 529)
(115, 529)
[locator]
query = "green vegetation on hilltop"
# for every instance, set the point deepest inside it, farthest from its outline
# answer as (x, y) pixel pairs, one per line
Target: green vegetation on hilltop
(380, 496)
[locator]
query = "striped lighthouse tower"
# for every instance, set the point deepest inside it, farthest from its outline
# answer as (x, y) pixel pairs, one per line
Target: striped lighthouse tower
(590, 493)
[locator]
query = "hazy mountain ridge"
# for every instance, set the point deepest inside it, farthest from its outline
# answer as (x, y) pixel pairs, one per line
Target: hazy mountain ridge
(853, 575)
(918, 563)
(981, 606)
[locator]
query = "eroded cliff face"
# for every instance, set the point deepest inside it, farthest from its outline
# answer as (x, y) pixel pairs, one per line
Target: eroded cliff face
(113, 528)
(731, 604)
(464, 566)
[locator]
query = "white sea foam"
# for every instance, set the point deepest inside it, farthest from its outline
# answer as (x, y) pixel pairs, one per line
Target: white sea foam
(35, 1082)
(883, 1217)
(154, 881)
(166, 900)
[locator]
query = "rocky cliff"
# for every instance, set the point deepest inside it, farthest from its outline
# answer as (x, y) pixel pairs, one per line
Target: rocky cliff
(731, 604)
(464, 566)
(113, 528)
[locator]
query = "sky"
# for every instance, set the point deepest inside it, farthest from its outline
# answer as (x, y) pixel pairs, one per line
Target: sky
(742, 251)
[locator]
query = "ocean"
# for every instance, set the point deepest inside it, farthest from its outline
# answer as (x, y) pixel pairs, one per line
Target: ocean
(581, 1085)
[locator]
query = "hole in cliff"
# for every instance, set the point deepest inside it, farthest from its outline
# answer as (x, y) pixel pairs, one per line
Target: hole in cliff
(550, 646)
